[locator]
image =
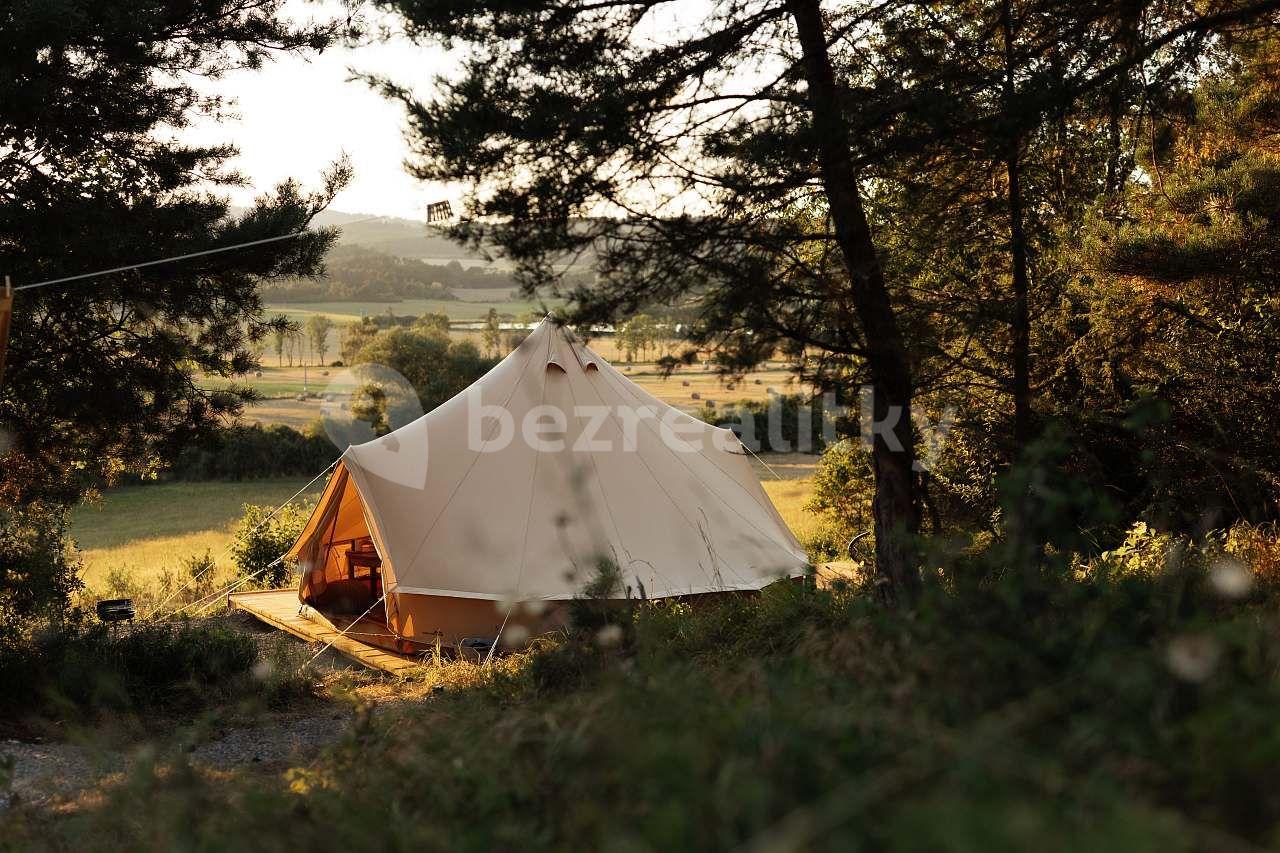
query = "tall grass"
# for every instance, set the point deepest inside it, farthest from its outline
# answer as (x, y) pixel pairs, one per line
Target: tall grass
(1110, 709)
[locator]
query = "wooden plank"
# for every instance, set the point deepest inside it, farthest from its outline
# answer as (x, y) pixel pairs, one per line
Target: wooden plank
(279, 609)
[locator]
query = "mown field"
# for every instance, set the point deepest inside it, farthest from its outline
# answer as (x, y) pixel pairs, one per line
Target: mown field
(687, 390)
(145, 530)
(470, 308)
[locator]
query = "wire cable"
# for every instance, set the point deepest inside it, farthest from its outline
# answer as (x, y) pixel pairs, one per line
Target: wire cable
(187, 256)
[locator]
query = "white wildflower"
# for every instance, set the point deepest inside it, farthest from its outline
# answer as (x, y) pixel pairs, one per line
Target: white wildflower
(609, 635)
(1193, 657)
(1230, 578)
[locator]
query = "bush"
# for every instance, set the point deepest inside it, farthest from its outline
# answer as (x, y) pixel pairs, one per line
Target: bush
(38, 569)
(1112, 710)
(843, 486)
(261, 538)
(85, 667)
(281, 671)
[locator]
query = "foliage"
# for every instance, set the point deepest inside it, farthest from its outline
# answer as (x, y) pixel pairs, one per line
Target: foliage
(785, 423)
(1117, 711)
(254, 452)
(605, 604)
(84, 668)
(261, 538)
(318, 327)
(492, 332)
(355, 336)
(1182, 327)
(890, 194)
(281, 672)
(38, 569)
(433, 323)
(841, 497)
(436, 367)
(101, 374)
(641, 334)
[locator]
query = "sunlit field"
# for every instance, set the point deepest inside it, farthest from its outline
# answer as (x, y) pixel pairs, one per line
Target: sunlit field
(145, 530)
(457, 309)
(688, 389)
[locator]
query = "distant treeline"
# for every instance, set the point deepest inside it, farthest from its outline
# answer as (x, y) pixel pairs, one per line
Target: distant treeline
(361, 274)
(254, 452)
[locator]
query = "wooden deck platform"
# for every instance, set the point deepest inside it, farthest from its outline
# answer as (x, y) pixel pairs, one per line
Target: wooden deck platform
(279, 609)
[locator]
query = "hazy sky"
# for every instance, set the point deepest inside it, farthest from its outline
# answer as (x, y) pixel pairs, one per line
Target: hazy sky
(296, 116)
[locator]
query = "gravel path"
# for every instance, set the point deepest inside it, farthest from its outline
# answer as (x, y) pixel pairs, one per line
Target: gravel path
(45, 772)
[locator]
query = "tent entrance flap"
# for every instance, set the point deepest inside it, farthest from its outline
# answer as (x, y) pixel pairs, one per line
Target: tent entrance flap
(342, 571)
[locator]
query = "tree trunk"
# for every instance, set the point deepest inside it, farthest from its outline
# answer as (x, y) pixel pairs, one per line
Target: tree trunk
(896, 510)
(1020, 319)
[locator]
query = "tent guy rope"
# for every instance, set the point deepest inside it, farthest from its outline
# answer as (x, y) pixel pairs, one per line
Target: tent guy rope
(226, 550)
(343, 632)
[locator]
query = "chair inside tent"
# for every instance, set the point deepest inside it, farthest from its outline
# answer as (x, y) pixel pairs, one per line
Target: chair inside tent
(506, 525)
(343, 571)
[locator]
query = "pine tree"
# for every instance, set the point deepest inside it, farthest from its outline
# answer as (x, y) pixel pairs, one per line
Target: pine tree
(102, 373)
(743, 168)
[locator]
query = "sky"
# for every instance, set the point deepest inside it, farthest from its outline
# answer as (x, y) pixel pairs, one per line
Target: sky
(296, 115)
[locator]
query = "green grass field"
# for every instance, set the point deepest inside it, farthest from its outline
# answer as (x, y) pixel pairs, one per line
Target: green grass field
(149, 529)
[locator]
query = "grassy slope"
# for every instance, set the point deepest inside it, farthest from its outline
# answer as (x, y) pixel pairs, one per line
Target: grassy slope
(147, 529)
(1008, 717)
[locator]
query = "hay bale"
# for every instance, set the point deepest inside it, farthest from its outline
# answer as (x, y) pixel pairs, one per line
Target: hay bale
(685, 383)
(696, 396)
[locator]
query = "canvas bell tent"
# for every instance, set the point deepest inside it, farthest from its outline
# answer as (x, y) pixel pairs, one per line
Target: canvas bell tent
(498, 506)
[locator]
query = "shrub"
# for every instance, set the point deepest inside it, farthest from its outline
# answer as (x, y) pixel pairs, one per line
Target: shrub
(261, 538)
(842, 489)
(83, 666)
(281, 671)
(38, 569)
(1112, 710)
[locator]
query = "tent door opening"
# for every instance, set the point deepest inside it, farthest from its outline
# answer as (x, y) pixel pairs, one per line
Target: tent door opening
(345, 572)
(358, 583)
